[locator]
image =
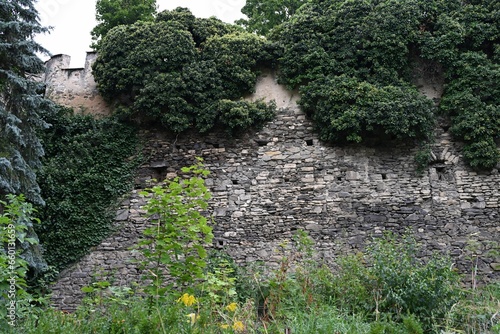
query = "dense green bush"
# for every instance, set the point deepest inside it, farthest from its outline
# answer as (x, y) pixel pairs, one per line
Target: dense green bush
(473, 101)
(390, 281)
(347, 110)
(378, 43)
(89, 163)
(178, 69)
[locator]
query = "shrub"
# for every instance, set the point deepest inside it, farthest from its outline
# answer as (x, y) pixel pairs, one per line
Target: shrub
(347, 110)
(176, 240)
(391, 280)
(373, 46)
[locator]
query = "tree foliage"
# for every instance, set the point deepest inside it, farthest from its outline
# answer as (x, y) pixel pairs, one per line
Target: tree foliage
(368, 50)
(112, 13)
(177, 69)
(264, 15)
(179, 234)
(21, 105)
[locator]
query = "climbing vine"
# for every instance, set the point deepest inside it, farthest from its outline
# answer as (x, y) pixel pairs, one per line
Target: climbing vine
(178, 69)
(88, 165)
(354, 63)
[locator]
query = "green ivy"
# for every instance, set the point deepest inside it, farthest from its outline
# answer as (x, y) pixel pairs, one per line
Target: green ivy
(177, 70)
(348, 110)
(354, 62)
(17, 256)
(89, 163)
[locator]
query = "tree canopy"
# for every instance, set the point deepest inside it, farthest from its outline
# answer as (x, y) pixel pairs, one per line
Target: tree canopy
(264, 15)
(112, 13)
(184, 72)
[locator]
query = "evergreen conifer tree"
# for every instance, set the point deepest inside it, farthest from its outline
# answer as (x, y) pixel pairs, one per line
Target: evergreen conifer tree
(21, 99)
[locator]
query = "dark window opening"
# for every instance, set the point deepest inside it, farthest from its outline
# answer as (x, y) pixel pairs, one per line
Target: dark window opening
(309, 142)
(159, 174)
(384, 176)
(235, 181)
(262, 142)
(443, 173)
(339, 178)
(440, 169)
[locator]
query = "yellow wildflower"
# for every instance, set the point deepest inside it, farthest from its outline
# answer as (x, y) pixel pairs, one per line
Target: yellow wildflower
(238, 326)
(187, 299)
(224, 326)
(192, 317)
(232, 307)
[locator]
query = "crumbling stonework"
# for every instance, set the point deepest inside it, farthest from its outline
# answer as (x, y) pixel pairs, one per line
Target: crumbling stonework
(74, 87)
(268, 184)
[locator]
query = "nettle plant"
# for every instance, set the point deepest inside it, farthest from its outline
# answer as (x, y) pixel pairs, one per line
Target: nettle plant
(179, 232)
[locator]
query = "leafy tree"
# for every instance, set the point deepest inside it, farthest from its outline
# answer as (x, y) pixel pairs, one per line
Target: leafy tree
(177, 70)
(112, 13)
(179, 234)
(264, 15)
(21, 105)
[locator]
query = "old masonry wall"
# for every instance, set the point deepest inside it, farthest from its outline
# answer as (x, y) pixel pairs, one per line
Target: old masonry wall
(268, 184)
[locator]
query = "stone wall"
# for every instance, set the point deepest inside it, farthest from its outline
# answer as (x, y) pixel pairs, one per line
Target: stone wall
(74, 87)
(268, 184)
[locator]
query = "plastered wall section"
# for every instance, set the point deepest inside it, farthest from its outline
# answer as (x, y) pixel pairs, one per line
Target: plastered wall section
(268, 184)
(74, 87)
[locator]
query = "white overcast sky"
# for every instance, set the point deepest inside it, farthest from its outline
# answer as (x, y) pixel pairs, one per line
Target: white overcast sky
(73, 20)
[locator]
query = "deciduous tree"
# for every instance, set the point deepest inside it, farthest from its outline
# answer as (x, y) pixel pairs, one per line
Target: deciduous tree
(263, 15)
(112, 13)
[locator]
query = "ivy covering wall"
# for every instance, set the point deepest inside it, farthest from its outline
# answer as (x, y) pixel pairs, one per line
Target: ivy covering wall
(184, 72)
(353, 62)
(89, 163)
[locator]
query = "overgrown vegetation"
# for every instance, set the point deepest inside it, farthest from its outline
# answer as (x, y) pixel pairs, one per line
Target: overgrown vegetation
(88, 164)
(184, 72)
(175, 242)
(353, 62)
(112, 13)
(300, 295)
(20, 252)
(384, 290)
